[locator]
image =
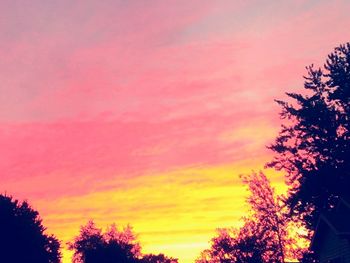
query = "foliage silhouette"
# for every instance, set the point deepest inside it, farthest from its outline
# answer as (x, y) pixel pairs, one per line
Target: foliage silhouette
(313, 146)
(160, 258)
(265, 235)
(22, 237)
(231, 245)
(113, 246)
(93, 246)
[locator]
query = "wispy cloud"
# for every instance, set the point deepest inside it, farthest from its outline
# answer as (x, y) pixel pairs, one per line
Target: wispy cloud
(105, 102)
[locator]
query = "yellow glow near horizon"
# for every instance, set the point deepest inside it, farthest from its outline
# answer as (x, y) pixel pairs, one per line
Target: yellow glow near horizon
(146, 112)
(175, 213)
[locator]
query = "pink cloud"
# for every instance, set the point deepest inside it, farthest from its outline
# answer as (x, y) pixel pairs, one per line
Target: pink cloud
(98, 97)
(94, 89)
(71, 157)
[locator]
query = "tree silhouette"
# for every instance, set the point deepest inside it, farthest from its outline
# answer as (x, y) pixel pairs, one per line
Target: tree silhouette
(265, 235)
(160, 258)
(313, 146)
(280, 235)
(22, 235)
(270, 222)
(231, 245)
(92, 246)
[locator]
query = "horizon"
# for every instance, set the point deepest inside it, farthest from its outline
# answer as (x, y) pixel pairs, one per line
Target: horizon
(146, 113)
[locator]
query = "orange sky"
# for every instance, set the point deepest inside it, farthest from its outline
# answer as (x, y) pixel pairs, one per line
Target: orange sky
(146, 112)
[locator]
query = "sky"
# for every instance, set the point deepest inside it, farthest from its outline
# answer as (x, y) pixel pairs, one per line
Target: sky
(146, 112)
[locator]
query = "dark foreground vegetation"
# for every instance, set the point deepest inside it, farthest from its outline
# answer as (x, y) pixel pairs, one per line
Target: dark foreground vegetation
(22, 235)
(23, 240)
(312, 150)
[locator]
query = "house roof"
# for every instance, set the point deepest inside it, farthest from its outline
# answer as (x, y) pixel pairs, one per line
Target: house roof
(338, 221)
(345, 200)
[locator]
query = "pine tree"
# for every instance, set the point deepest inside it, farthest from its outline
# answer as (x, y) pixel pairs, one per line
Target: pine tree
(313, 146)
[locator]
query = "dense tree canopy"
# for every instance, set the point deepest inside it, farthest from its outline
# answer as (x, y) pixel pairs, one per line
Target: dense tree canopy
(22, 235)
(313, 146)
(160, 258)
(93, 246)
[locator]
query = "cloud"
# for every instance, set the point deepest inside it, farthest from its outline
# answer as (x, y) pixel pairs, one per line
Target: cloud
(74, 157)
(111, 107)
(165, 209)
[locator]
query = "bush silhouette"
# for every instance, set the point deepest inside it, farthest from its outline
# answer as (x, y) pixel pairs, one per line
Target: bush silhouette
(22, 237)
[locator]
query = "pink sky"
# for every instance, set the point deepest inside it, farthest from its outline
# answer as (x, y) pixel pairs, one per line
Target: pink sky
(111, 100)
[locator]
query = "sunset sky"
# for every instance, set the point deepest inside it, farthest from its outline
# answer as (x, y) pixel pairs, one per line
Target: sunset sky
(146, 112)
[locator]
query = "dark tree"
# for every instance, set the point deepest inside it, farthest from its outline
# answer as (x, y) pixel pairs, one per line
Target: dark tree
(313, 146)
(231, 245)
(265, 235)
(22, 235)
(92, 246)
(268, 221)
(160, 258)
(113, 246)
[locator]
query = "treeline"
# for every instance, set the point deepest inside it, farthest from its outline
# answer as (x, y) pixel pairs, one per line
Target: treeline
(265, 236)
(23, 239)
(312, 149)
